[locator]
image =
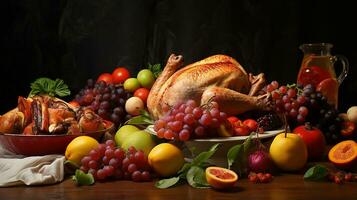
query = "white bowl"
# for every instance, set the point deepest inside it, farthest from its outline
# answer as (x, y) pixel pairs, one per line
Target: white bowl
(192, 148)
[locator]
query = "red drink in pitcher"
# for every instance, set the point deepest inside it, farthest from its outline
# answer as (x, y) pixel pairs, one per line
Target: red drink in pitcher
(317, 68)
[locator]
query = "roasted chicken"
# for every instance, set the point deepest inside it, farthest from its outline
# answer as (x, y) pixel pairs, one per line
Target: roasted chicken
(219, 77)
(49, 115)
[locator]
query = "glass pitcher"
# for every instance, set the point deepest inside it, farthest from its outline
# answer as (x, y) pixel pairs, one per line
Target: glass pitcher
(317, 68)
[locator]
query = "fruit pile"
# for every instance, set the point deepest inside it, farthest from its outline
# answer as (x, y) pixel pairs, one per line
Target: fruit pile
(188, 120)
(117, 97)
(108, 162)
(242, 128)
(306, 104)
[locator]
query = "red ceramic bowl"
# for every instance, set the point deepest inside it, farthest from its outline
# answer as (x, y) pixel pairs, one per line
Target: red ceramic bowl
(37, 145)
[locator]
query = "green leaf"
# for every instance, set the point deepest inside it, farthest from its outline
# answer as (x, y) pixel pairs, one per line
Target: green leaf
(204, 156)
(232, 154)
(71, 163)
(82, 178)
(140, 120)
(316, 173)
(196, 177)
(156, 69)
(238, 155)
(60, 88)
(184, 169)
(248, 144)
(166, 183)
(46, 86)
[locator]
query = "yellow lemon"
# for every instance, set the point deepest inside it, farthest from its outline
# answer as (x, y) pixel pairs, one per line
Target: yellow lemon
(288, 153)
(166, 159)
(79, 147)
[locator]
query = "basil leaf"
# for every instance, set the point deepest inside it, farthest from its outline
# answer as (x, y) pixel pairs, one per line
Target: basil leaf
(232, 154)
(196, 177)
(166, 183)
(248, 144)
(82, 178)
(185, 168)
(316, 173)
(204, 156)
(140, 120)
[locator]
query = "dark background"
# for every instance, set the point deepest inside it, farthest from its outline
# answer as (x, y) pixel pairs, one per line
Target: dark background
(78, 39)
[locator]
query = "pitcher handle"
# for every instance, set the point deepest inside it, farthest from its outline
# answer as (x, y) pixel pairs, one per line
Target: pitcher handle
(345, 68)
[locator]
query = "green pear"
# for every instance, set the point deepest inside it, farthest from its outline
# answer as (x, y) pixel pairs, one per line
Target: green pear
(123, 132)
(141, 140)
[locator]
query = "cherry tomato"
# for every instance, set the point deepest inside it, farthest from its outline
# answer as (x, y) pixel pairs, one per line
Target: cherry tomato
(106, 77)
(348, 128)
(242, 130)
(251, 123)
(142, 93)
(120, 74)
(233, 120)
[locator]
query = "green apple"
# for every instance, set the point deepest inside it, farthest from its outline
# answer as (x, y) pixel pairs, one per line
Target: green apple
(288, 153)
(141, 140)
(146, 78)
(123, 132)
(131, 84)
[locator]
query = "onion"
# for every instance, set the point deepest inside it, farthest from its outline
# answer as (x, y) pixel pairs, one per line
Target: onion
(259, 161)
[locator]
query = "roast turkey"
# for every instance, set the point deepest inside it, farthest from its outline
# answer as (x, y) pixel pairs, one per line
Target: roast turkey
(219, 77)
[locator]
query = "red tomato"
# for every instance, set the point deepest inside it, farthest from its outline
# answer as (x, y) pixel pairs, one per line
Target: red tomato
(251, 123)
(120, 74)
(142, 93)
(106, 77)
(233, 120)
(314, 140)
(242, 130)
(348, 128)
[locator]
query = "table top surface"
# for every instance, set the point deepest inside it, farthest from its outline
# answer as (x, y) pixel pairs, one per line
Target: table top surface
(287, 186)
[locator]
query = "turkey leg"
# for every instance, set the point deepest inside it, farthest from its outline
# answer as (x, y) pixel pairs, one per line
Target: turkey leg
(173, 63)
(232, 102)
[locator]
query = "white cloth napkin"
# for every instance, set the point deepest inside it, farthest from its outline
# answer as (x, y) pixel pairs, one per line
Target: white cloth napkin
(33, 170)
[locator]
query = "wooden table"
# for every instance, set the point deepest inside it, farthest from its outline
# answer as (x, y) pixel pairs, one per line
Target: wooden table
(284, 187)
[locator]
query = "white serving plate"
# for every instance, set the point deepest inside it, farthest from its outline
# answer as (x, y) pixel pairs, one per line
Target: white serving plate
(192, 148)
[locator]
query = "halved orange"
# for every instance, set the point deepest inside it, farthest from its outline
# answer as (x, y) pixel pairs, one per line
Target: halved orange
(343, 154)
(221, 178)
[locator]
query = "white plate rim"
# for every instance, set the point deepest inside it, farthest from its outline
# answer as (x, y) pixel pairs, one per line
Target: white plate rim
(266, 134)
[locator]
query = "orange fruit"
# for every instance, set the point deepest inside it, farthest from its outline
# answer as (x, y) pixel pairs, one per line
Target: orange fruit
(329, 89)
(79, 147)
(166, 159)
(221, 178)
(343, 154)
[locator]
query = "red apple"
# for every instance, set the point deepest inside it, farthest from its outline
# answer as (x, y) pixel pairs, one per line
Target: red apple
(314, 140)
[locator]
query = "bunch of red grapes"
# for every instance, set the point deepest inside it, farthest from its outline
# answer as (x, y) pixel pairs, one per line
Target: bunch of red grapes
(107, 100)
(109, 162)
(188, 120)
(305, 104)
(286, 100)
